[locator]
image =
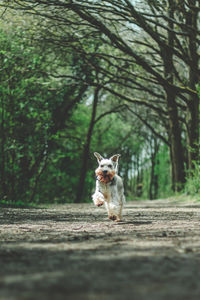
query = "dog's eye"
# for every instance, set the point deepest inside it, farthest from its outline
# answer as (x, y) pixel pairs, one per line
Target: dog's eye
(109, 166)
(101, 166)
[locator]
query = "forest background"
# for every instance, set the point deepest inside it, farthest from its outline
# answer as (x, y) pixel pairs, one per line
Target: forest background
(115, 76)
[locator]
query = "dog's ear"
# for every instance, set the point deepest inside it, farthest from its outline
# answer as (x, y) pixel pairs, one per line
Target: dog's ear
(115, 158)
(98, 156)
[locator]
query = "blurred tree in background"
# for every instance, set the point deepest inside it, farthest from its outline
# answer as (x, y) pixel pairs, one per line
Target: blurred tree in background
(108, 76)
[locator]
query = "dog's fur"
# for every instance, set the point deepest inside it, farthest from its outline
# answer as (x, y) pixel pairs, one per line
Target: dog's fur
(109, 187)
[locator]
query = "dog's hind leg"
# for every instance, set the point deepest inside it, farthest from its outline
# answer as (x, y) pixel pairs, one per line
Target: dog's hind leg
(114, 211)
(111, 215)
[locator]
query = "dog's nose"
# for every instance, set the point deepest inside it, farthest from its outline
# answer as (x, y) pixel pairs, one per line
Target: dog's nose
(104, 172)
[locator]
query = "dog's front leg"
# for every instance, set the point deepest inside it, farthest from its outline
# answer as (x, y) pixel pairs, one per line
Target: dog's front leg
(98, 197)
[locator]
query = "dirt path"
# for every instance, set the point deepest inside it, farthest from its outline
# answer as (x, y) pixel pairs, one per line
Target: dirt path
(74, 252)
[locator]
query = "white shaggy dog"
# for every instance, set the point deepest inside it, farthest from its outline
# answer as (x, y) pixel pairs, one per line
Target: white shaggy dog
(109, 187)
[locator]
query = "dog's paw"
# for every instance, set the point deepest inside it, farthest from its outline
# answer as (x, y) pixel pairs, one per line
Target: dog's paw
(112, 217)
(115, 218)
(99, 202)
(98, 199)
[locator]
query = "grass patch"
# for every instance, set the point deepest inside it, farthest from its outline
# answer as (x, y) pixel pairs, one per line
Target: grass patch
(17, 204)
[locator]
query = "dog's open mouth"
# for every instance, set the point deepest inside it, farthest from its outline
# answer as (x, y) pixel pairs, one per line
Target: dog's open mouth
(105, 178)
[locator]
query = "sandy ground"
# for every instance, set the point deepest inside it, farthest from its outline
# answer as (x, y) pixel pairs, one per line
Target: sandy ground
(75, 252)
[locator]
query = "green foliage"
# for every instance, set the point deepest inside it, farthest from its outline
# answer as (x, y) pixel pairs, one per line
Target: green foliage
(42, 141)
(45, 120)
(29, 129)
(59, 181)
(24, 116)
(161, 183)
(192, 186)
(16, 204)
(163, 171)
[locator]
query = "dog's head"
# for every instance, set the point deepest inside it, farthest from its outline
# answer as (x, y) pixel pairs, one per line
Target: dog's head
(107, 167)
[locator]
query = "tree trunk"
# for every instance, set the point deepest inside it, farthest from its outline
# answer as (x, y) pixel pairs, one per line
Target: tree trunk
(3, 140)
(177, 157)
(153, 187)
(193, 104)
(177, 153)
(86, 150)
